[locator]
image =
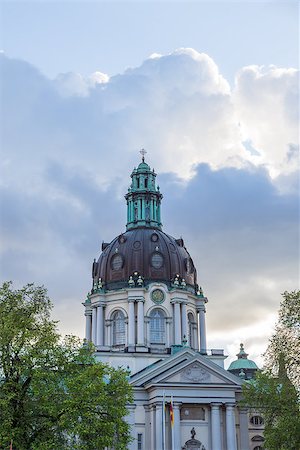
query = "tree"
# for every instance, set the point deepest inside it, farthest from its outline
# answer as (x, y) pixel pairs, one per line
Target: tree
(275, 391)
(53, 393)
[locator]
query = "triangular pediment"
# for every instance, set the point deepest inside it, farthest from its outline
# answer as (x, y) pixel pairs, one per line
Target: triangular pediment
(185, 368)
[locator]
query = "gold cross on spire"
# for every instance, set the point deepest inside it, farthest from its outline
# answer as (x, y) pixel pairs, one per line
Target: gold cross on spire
(143, 153)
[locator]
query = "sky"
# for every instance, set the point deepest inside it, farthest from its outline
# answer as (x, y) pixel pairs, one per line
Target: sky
(210, 90)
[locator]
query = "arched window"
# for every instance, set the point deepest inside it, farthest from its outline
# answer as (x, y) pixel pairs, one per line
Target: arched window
(258, 447)
(258, 438)
(157, 327)
(257, 420)
(191, 324)
(118, 328)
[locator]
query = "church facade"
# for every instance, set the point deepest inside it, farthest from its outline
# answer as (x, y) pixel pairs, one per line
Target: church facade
(147, 312)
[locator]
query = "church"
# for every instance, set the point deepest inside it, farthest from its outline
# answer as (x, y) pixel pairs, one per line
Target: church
(146, 312)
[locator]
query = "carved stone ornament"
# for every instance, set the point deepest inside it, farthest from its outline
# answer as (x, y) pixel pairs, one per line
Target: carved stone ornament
(195, 373)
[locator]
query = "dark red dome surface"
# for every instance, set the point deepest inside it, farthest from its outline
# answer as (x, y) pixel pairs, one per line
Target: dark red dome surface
(148, 252)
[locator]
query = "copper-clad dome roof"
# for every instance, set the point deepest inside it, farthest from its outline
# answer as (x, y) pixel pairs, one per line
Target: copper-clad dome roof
(144, 250)
(148, 252)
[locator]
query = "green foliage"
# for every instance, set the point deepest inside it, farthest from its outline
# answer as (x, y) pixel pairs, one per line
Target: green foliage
(53, 394)
(285, 343)
(275, 390)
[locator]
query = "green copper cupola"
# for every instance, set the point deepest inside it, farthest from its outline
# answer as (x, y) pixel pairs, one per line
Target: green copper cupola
(143, 199)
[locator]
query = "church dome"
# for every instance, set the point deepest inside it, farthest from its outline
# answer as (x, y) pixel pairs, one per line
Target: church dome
(243, 366)
(148, 252)
(144, 250)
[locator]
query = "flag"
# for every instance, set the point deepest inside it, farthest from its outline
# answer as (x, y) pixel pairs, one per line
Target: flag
(171, 412)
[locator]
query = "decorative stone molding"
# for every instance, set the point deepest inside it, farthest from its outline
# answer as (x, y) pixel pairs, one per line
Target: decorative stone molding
(195, 373)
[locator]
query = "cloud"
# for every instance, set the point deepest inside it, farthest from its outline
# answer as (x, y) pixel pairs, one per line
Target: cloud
(266, 100)
(69, 146)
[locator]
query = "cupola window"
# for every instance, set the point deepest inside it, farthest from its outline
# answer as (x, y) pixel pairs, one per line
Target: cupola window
(157, 327)
(118, 328)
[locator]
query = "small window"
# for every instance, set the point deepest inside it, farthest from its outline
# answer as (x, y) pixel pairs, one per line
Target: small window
(138, 182)
(258, 447)
(257, 420)
(146, 183)
(139, 441)
(257, 438)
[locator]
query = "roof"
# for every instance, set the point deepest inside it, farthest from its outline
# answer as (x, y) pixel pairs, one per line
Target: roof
(242, 364)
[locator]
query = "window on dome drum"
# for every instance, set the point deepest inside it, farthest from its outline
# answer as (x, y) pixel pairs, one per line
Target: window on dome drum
(257, 420)
(118, 328)
(157, 260)
(157, 327)
(146, 183)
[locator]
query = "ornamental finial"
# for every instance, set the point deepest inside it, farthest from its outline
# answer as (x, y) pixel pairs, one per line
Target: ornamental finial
(143, 153)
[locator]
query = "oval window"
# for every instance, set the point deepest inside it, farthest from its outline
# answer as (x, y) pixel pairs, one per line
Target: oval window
(157, 260)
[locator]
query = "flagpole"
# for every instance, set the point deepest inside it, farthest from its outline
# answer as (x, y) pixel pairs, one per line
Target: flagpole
(172, 425)
(164, 423)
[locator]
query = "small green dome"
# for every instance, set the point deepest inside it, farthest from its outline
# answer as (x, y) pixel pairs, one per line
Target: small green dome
(242, 362)
(142, 167)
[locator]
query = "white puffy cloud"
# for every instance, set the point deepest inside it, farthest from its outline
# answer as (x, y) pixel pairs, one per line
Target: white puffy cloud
(69, 146)
(266, 102)
(74, 84)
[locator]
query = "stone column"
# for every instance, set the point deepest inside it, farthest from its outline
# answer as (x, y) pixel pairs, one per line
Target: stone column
(168, 327)
(108, 333)
(177, 324)
(147, 427)
(230, 427)
(244, 432)
(216, 441)
(131, 324)
(152, 425)
(100, 325)
(176, 431)
(202, 330)
(158, 426)
(140, 323)
(147, 320)
(94, 325)
(131, 422)
(184, 325)
(88, 326)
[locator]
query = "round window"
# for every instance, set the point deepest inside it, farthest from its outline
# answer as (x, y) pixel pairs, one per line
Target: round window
(154, 237)
(157, 296)
(157, 260)
(117, 262)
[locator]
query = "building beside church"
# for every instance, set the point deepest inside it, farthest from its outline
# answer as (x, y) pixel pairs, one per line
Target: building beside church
(146, 312)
